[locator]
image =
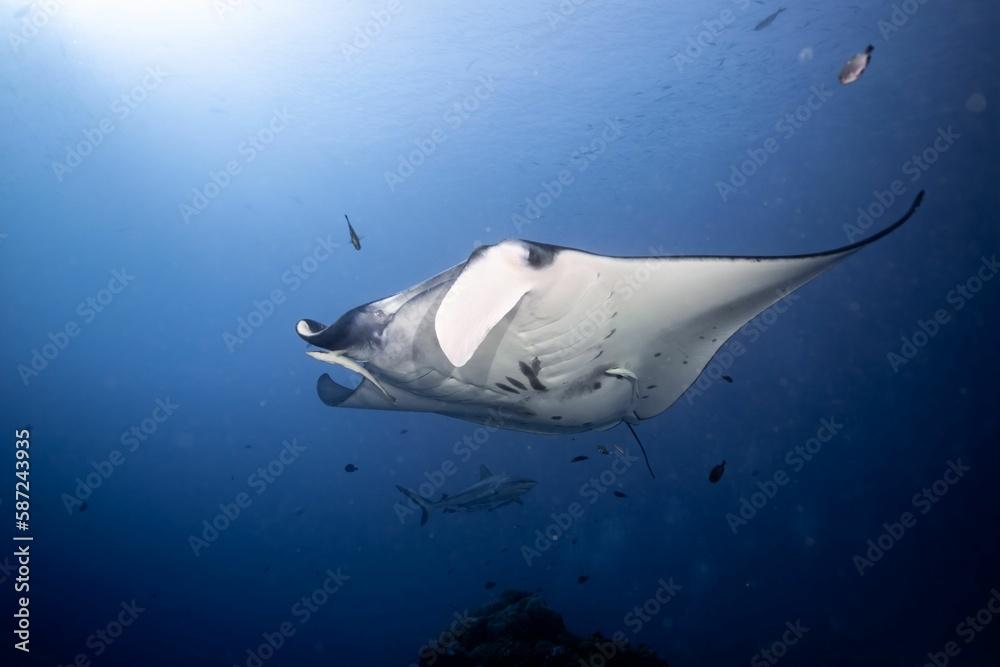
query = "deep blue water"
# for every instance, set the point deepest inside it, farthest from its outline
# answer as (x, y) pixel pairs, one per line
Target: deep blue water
(174, 178)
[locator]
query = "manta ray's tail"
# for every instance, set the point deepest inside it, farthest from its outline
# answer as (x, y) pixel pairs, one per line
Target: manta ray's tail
(421, 502)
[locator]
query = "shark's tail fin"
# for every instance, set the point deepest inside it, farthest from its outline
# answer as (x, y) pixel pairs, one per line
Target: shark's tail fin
(421, 502)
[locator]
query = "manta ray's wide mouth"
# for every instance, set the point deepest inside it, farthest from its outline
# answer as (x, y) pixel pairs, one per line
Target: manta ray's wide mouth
(326, 339)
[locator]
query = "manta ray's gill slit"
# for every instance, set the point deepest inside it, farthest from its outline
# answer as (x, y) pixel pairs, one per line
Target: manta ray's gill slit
(510, 390)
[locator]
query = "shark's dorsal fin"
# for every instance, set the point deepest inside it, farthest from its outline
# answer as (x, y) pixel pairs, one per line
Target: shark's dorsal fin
(484, 472)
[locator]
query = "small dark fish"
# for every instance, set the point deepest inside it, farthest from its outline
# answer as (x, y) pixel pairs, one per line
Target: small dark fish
(601, 449)
(404, 431)
(582, 579)
(298, 511)
(490, 584)
(350, 467)
(715, 474)
(769, 20)
(621, 494)
(355, 239)
(577, 459)
(855, 67)
(728, 378)
(84, 506)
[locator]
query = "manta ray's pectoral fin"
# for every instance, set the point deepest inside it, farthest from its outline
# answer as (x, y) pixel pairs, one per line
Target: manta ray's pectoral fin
(489, 287)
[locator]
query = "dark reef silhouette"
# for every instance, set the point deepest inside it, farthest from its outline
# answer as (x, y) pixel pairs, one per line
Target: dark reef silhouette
(520, 630)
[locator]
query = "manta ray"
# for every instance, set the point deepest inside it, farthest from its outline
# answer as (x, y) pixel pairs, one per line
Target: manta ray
(536, 337)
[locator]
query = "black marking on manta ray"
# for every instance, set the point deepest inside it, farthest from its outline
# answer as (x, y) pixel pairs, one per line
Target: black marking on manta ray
(540, 255)
(610, 334)
(652, 386)
(516, 383)
(599, 353)
(531, 372)
(657, 354)
(507, 389)
(556, 417)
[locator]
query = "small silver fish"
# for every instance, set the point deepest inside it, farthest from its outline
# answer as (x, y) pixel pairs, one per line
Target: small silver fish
(855, 67)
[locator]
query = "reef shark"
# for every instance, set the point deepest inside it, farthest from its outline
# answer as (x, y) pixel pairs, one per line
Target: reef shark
(489, 493)
(536, 337)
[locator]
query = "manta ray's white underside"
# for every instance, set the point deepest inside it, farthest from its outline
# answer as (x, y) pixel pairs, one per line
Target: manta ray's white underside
(541, 338)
